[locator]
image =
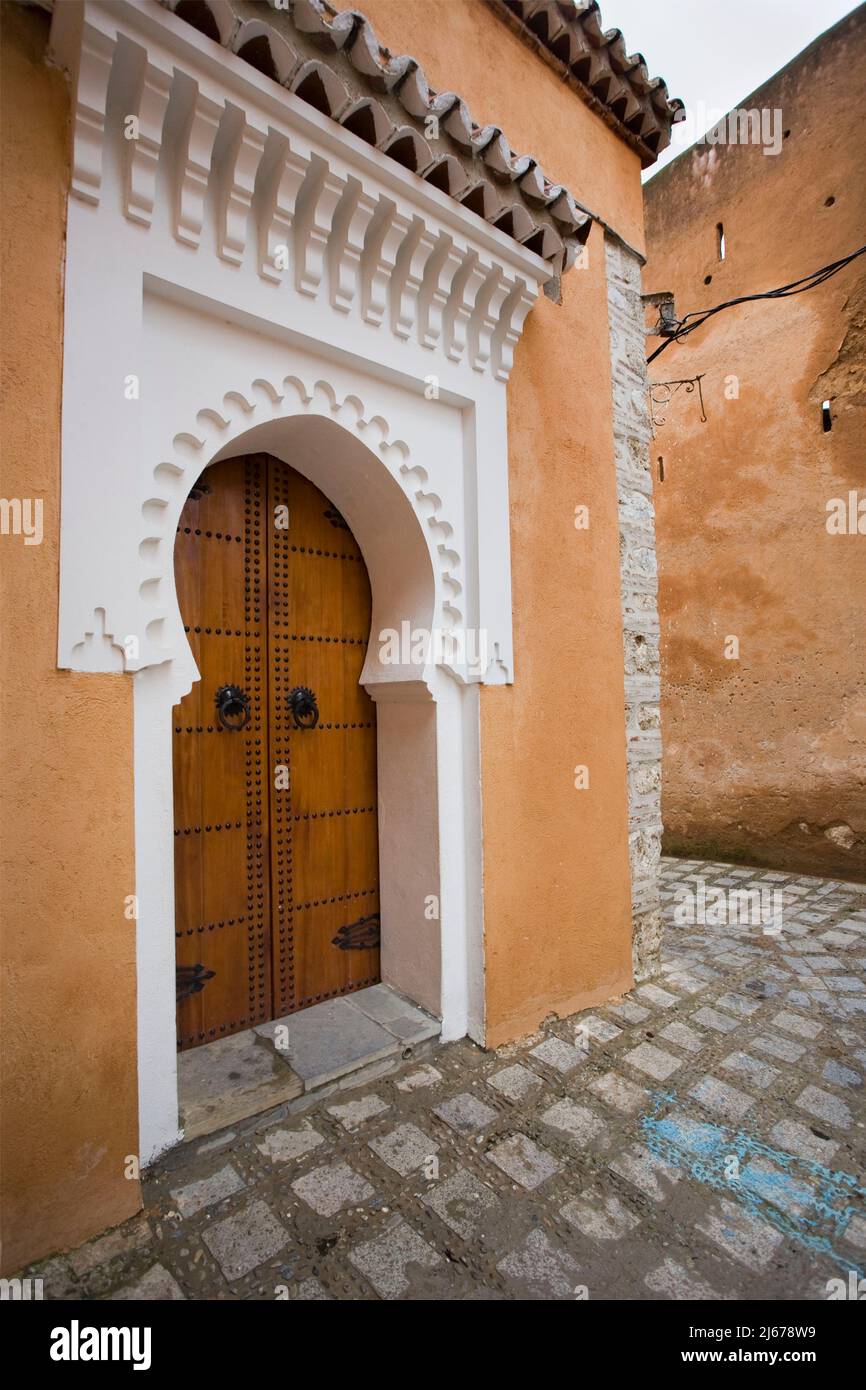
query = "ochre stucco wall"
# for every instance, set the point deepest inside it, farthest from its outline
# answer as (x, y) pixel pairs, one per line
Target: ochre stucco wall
(69, 1112)
(765, 756)
(556, 875)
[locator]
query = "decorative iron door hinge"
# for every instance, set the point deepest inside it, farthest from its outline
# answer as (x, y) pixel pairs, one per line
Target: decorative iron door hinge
(362, 935)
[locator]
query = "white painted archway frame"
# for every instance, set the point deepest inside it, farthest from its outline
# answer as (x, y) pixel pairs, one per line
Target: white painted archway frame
(186, 339)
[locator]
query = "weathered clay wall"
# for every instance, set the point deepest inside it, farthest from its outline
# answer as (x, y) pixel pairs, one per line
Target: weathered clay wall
(765, 755)
(69, 1104)
(556, 869)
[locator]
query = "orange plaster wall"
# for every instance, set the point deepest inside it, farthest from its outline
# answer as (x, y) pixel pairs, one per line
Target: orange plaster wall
(69, 1104)
(556, 874)
(764, 757)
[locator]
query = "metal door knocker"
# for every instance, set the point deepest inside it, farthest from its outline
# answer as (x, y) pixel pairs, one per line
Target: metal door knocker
(302, 703)
(233, 708)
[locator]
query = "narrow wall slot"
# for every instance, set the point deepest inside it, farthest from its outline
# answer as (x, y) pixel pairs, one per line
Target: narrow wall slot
(720, 239)
(826, 417)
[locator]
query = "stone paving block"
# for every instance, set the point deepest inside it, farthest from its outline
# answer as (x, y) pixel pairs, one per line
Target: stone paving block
(681, 1035)
(354, 1113)
(404, 1149)
(311, 1291)
(738, 1004)
(628, 1011)
(653, 1061)
(422, 1076)
(783, 1048)
(824, 1106)
(792, 1137)
(541, 1268)
(839, 938)
(838, 1075)
(773, 1184)
(283, 1145)
(761, 1074)
(671, 1281)
(800, 1027)
(619, 1092)
(601, 1030)
(559, 1055)
(523, 1161)
(156, 1285)
(465, 1114)
(855, 1232)
(462, 1202)
(740, 1235)
(647, 1172)
(577, 1121)
(246, 1239)
(330, 1040)
(599, 1216)
(724, 1099)
(659, 998)
(332, 1186)
(194, 1196)
(388, 1259)
(711, 1018)
(515, 1082)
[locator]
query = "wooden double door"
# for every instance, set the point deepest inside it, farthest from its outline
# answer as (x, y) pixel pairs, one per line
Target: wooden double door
(276, 847)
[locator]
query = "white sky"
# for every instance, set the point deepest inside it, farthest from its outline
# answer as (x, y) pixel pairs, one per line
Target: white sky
(716, 52)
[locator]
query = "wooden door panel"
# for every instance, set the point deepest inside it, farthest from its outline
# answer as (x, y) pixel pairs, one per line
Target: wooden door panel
(276, 863)
(222, 897)
(319, 605)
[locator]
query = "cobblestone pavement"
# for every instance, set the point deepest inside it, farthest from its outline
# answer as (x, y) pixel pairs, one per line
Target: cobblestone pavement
(702, 1137)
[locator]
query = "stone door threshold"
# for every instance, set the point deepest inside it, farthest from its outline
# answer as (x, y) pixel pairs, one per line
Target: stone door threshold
(323, 1047)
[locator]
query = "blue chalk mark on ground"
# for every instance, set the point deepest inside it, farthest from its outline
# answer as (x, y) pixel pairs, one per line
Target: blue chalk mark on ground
(799, 1197)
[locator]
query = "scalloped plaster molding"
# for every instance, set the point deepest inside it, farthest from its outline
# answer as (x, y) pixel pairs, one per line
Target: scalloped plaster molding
(216, 432)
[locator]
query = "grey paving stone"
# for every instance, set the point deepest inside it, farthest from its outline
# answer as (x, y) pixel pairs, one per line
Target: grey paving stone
(761, 1074)
(740, 1235)
(800, 1027)
(465, 1113)
(577, 1121)
(839, 938)
(311, 1291)
(738, 1004)
(628, 1011)
(600, 1030)
(282, 1145)
(783, 1048)
(653, 1060)
(156, 1285)
(670, 1280)
(653, 1176)
(838, 1075)
(388, 1260)
(331, 1187)
(711, 1018)
(659, 998)
(330, 1040)
(723, 1099)
(241, 1242)
(515, 1082)
(559, 1055)
(541, 1268)
(824, 1106)
(523, 1161)
(194, 1196)
(618, 1092)
(404, 1149)
(462, 1202)
(681, 1035)
(599, 1216)
(353, 1113)
(420, 1078)
(793, 1137)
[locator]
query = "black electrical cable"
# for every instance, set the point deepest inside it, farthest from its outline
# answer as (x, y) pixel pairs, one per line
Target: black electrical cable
(808, 282)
